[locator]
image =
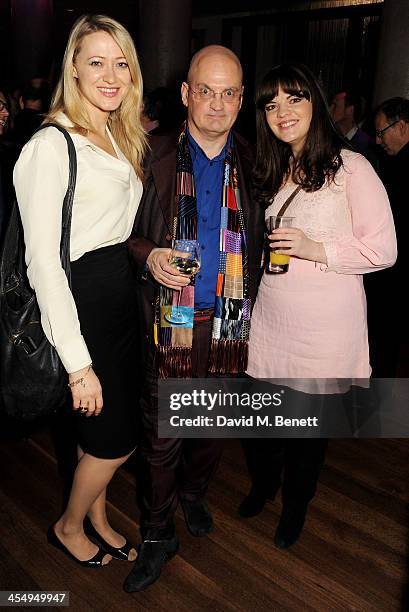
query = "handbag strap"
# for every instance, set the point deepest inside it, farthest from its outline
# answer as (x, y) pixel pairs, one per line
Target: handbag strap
(288, 201)
(68, 199)
(12, 251)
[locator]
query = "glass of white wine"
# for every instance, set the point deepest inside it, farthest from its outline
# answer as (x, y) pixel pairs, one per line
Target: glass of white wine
(185, 256)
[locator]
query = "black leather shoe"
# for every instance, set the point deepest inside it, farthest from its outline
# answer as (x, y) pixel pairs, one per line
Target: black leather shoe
(290, 526)
(121, 553)
(96, 560)
(198, 517)
(152, 556)
(255, 501)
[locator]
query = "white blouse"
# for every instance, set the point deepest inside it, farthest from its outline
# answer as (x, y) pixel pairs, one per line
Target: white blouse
(106, 200)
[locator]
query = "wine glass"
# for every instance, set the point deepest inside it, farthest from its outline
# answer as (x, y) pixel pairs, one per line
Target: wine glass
(185, 256)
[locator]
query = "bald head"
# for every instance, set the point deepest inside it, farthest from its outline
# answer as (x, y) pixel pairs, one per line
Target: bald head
(213, 96)
(216, 55)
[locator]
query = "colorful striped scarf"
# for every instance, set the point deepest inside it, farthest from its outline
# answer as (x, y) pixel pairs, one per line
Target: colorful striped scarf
(231, 322)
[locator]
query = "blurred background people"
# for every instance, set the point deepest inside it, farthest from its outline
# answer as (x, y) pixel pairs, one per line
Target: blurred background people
(4, 116)
(392, 134)
(347, 112)
(7, 160)
(33, 105)
(387, 302)
(162, 111)
(4, 112)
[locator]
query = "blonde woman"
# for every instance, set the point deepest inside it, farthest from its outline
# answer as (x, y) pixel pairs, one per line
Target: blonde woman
(93, 326)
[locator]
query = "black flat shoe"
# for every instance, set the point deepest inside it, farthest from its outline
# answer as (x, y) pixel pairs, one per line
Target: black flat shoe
(96, 561)
(290, 526)
(254, 502)
(121, 553)
(153, 554)
(198, 517)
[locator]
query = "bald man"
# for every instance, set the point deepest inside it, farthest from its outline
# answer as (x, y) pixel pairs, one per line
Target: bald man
(197, 189)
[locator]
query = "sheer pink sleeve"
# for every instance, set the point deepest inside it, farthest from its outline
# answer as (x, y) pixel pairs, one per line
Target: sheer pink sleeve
(373, 243)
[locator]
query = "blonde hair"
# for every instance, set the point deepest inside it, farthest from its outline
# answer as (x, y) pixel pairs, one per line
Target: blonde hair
(125, 121)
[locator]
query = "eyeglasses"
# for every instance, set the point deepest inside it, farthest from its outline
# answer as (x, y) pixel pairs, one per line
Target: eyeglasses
(3, 106)
(229, 95)
(380, 133)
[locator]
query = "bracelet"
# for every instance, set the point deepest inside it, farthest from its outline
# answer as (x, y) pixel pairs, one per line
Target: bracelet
(80, 380)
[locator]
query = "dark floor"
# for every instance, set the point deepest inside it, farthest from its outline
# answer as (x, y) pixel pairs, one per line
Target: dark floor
(352, 554)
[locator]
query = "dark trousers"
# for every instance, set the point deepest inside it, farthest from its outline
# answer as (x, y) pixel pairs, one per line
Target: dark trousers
(174, 468)
(294, 463)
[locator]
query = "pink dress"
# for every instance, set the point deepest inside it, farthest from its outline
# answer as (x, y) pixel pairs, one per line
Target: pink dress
(310, 323)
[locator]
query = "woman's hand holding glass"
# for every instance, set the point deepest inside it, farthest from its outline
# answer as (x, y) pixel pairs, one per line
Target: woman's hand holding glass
(292, 241)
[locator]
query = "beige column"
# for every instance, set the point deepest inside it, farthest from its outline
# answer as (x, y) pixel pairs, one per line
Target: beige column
(392, 73)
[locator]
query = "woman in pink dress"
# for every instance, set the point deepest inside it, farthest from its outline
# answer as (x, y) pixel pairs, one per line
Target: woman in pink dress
(310, 323)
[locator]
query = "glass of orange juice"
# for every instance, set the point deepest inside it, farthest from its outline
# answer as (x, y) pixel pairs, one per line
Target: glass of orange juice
(278, 263)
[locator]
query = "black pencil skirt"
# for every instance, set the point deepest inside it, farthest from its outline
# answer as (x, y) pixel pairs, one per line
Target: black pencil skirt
(104, 291)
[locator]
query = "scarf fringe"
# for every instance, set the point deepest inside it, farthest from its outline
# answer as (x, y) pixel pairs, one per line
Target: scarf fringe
(174, 361)
(228, 356)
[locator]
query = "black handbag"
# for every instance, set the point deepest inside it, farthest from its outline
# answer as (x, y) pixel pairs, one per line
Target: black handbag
(33, 381)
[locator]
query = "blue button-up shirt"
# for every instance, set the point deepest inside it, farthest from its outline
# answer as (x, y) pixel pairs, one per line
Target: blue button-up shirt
(208, 175)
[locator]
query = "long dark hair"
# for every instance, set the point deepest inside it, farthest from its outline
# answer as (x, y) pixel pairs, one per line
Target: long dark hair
(320, 158)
